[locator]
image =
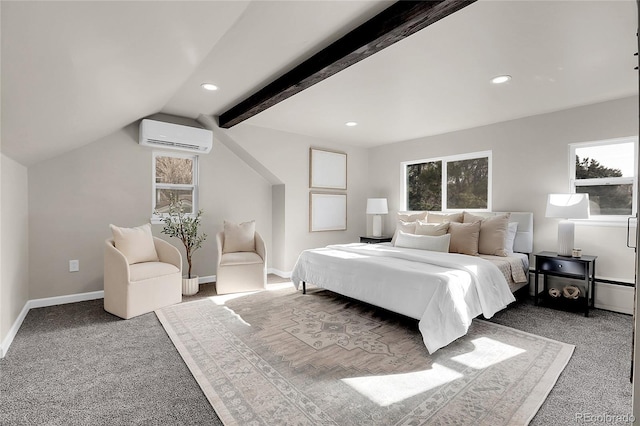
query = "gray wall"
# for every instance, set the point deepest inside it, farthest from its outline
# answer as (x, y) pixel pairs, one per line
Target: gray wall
(530, 160)
(14, 291)
(287, 156)
(74, 197)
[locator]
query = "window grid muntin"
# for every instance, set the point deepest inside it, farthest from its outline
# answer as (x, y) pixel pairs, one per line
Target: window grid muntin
(155, 186)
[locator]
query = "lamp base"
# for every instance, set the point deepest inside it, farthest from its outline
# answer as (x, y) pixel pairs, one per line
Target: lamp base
(566, 231)
(377, 225)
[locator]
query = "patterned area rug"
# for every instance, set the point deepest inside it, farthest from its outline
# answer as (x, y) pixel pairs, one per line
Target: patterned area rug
(280, 357)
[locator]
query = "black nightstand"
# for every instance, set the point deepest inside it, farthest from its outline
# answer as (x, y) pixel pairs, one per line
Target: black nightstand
(375, 240)
(582, 268)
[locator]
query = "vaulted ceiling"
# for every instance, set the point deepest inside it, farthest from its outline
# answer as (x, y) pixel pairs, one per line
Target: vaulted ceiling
(73, 72)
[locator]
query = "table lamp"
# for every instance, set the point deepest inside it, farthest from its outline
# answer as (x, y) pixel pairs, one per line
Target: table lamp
(377, 207)
(567, 206)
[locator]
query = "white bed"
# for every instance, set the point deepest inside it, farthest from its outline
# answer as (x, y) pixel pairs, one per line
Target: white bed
(444, 291)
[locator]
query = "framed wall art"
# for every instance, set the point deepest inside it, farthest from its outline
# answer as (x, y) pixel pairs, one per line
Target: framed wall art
(327, 169)
(327, 211)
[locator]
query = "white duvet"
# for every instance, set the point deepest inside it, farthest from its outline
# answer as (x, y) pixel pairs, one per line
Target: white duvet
(444, 291)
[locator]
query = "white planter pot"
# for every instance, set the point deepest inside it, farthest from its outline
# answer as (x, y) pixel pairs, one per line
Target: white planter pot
(190, 286)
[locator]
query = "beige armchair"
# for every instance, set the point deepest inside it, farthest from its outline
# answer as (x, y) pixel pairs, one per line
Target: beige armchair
(132, 290)
(241, 270)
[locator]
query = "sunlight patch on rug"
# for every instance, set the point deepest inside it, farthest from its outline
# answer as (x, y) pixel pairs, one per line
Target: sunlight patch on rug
(389, 389)
(487, 352)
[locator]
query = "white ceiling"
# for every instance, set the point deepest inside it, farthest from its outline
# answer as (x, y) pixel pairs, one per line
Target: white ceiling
(73, 72)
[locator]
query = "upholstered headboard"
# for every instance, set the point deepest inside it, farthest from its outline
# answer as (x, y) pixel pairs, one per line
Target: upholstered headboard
(524, 237)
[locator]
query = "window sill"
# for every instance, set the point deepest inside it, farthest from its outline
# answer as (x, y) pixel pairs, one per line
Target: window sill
(160, 220)
(605, 221)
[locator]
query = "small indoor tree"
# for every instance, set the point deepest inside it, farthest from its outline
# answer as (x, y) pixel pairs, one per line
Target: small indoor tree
(184, 227)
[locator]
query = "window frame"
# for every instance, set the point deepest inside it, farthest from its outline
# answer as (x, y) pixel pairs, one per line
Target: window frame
(443, 184)
(606, 220)
(158, 219)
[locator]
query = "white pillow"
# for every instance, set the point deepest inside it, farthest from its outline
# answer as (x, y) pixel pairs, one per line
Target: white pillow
(423, 242)
(239, 237)
(511, 237)
(135, 243)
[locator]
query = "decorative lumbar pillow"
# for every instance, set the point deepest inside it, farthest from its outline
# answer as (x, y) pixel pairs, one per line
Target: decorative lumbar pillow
(433, 229)
(135, 243)
(512, 230)
(493, 233)
(464, 238)
(407, 227)
(423, 242)
(239, 237)
(443, 217)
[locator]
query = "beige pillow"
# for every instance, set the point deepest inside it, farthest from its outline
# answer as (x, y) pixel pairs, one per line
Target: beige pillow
(135, 243)
(443, 217)
(433, 229)
(407, 227)
(464, 238)
(407, 217)
(493, 233)
(239, 237)
(423, 242)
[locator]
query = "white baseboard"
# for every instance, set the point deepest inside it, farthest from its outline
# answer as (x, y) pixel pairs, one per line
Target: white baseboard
(279, 273)
(62, 300)
(614, 298)
(41, 303)
(207, 279)
(14, 330)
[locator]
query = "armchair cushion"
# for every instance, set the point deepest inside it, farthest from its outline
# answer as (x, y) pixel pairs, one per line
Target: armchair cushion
(239, 237)
(136, 244)
(146, 270)
(240, 258)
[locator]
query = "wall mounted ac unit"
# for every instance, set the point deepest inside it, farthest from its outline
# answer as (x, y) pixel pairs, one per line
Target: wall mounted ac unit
(158, 134)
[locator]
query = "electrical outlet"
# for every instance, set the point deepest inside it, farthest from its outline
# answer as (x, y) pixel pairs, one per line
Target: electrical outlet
(74, 265)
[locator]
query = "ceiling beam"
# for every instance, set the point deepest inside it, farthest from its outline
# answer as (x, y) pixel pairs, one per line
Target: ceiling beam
(395, 23)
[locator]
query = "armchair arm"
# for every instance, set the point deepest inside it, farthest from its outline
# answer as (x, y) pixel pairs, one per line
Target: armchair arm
(261, 248)
(167, 253)
(116, 266)
(219, 241)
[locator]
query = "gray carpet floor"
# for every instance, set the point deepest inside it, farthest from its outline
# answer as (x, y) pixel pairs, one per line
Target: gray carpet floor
(76, 364)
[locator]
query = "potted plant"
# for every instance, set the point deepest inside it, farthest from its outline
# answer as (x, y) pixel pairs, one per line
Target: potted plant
(178, 224)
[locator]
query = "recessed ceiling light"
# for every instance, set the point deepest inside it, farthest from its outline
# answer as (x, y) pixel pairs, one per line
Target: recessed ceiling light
(350, 123)
(209, 86)
(500, 79)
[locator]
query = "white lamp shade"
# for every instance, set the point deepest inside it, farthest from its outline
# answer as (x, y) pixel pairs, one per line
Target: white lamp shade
(377, 206)
(568, 206)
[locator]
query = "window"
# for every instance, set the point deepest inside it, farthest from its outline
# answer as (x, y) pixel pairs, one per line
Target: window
(175, 178)
(606, 170)
(448, 183)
